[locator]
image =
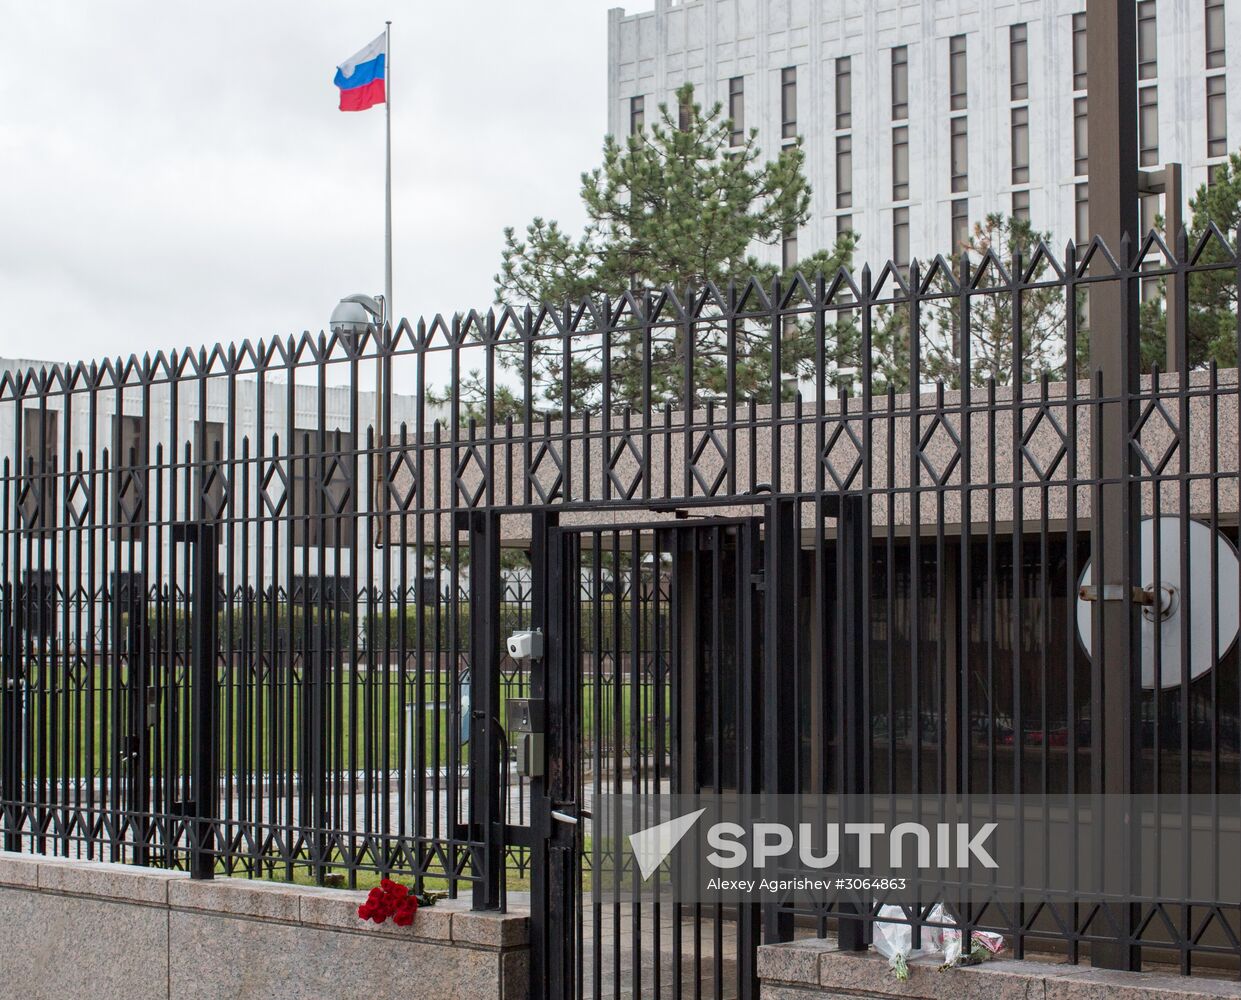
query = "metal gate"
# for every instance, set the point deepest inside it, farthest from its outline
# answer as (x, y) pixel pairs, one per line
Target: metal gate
(654, 670)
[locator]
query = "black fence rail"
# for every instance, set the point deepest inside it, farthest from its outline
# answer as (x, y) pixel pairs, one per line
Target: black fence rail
(251, 624)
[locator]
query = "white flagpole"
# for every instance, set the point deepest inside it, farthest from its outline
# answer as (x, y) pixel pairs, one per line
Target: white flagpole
(388, 178)
(388, 314)
(382, 370)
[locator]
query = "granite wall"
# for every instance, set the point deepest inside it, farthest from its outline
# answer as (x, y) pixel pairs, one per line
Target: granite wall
(72, 929)
(817, 970)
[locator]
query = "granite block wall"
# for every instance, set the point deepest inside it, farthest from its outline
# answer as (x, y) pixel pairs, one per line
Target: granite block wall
(72, 929)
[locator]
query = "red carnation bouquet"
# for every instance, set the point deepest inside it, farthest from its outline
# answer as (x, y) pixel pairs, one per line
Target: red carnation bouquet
(392, 899)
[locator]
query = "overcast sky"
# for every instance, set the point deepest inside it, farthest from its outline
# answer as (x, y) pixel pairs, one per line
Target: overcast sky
(178, 173)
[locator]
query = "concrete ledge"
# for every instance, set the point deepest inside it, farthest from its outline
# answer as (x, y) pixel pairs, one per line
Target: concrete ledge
(126, 883)
(19, 870)
(239, 898)
(126, 932)
(486, 929)
(818, 970)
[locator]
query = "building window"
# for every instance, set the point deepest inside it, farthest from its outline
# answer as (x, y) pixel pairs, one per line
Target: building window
(1217, 116)
(209, 469)
(321, 499)
(960, 153)
(1215, 34)
(844, 93)
(900, 83)
(1021, 205)
(685, 115)
(788, 101)
(1079, 51)
(637, 114)
(1147, 40)
(844, 171)
(1021, 145)
(844, 224)
(788, 251)
(39, 450)
(1081, 197)
(129, 468)
(900, 163)
(957, 84)
(960, 225)
(1148, 126)
(1018, 63)
(900, 237)
(736, 109)
(1148, 213)
(1081, 162)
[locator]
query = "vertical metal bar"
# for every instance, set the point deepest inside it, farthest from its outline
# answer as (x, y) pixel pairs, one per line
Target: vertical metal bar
(202, 808)
(596, 729)
(486, 807)
(541, 603)
(1111, 29)
(554, 899)
(617, 776)
(961, 681)
(778, 678)
(713, 618)
(1177, 281)
(851, 545)
(635, 743)
(752, 602)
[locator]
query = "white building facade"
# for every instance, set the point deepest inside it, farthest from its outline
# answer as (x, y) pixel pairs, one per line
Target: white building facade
(208, 451)
(919, 117)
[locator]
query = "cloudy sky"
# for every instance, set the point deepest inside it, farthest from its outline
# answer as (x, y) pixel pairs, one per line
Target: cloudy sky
(177, 173)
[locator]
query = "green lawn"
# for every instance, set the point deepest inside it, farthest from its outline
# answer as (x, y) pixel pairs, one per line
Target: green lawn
(261, 724)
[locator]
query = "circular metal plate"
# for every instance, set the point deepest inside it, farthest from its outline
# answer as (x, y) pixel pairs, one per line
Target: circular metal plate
(1177, 601)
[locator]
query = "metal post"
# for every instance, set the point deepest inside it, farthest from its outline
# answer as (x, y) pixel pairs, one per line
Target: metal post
(541, 566)
(1111, 53)
(557, 899)
(486, 803)
(387, 168)
(203, 805)
(779, 678)
(852, 934)
(754, 598)
(1174, 220)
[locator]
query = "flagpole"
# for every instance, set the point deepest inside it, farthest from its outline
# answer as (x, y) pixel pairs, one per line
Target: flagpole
(383, 371)
(388, 178)
(389, 315)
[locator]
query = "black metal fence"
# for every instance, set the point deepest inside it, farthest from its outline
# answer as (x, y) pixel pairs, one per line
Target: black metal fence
(252, 627)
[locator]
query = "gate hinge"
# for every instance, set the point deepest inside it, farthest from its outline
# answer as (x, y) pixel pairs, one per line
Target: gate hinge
(759, 580)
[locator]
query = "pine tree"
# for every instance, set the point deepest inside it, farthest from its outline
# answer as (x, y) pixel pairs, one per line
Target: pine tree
(1212, 329)
(675, 205)
(991, 319)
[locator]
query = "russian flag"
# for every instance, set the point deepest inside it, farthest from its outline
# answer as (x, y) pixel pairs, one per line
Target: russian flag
(361, 77)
